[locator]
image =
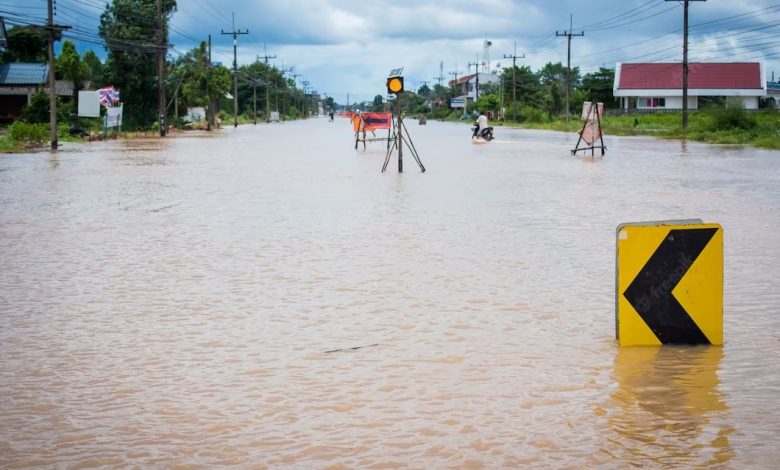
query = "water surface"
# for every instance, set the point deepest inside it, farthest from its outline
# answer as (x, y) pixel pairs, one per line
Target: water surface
(194, 301)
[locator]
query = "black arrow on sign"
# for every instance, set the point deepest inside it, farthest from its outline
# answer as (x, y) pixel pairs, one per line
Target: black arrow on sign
(650, 293)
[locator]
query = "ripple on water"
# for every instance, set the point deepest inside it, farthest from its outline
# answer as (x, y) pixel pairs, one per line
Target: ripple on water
(198, 302)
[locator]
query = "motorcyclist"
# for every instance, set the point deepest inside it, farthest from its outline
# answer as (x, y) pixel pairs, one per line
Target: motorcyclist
(481, 127)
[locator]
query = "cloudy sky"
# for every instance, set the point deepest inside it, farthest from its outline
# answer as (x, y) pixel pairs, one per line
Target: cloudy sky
(349, 46)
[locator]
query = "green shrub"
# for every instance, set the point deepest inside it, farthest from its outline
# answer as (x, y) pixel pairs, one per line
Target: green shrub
(532, 115)
(37, 110)
(731, 117)
(24, 132)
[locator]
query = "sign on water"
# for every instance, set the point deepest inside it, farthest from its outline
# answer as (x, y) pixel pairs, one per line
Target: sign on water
(669, 283)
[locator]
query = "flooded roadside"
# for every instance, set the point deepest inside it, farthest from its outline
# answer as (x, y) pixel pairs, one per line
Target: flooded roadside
(171, 302)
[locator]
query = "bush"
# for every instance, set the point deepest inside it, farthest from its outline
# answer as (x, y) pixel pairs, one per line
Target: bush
(731, 117)
(24, 132)
(37, 110)
(533, 115)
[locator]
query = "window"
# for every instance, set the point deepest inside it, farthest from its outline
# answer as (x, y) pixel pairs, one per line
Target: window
(654, 102)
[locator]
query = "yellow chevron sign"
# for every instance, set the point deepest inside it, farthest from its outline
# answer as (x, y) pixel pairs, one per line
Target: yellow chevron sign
(669, 287)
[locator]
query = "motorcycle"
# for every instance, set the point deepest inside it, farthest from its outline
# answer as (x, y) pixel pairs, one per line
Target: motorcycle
(486, 134)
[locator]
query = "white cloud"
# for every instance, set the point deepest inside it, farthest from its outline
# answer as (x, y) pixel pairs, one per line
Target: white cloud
(350, 45)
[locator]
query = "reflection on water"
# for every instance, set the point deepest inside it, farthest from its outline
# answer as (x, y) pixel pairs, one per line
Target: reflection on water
(265, 297)
(668, 399)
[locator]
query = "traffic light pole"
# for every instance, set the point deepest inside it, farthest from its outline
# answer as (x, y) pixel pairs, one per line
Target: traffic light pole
(400, 134)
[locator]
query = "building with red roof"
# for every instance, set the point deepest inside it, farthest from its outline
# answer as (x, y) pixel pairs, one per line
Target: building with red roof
(651, 86)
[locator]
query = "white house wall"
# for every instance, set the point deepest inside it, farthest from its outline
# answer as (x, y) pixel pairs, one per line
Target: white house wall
(672, 102)
(675, 102)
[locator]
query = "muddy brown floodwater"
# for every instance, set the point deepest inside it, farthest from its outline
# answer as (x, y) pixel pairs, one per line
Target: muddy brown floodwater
(264, 297)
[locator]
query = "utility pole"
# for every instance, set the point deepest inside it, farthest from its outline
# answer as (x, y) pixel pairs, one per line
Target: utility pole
(514, 57)
(295, 82)
(304, 104)
(685, 63)
(161, 50)
(476, 86)
(254, 99)
(209, 104)
(284, 96)
(267, 83)
(455, 74)
(569, 35)
(54, 33)
(235, 34)
(441, 76)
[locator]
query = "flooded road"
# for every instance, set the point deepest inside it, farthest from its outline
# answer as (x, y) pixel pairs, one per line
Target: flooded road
(264, 297)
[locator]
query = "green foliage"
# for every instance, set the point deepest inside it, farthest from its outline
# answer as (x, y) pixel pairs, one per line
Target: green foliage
(25, 44)
(578, 97)
(94, 69)
(527, 90)
(293, 113)
(598, 86)
(534, 115)
(197, 81)
(70, 66)
(731, 117)
(128, 27)
(24, 132)
(37, 110)
(378, 104)
(488, 102)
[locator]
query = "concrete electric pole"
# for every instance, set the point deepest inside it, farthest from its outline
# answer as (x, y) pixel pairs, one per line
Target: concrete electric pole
(569, 34)
(235, 34)
(685, 62)
(54, 32)
(267, 83)
(514, 58)
(161, 51)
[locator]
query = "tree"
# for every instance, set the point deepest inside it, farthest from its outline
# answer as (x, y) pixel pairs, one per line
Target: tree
(552, 78)
(597, 86)
(70, 66)
(200, 82)
(129, 28)
(526, 84)
(329, 103)
(93, 69)
(37, 110)
(488, 102)
(424, 91)
(378, 104)
(26, 44)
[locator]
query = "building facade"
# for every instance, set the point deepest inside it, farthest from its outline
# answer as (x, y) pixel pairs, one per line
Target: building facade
(466, 86)
(658, 86)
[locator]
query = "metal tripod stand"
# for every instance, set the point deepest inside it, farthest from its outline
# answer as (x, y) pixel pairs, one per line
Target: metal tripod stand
(398, 143)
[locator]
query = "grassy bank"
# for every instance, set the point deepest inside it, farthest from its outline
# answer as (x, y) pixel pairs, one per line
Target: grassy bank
(715, 126)
(23, 137)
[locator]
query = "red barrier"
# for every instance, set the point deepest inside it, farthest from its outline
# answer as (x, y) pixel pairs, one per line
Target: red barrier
(374, 121)
(371, 121)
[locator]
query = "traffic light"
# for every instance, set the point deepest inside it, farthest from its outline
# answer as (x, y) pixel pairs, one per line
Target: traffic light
(395, 85)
